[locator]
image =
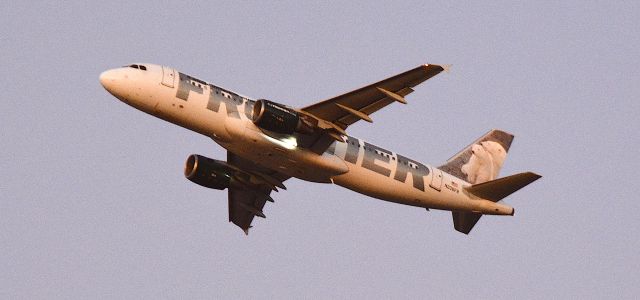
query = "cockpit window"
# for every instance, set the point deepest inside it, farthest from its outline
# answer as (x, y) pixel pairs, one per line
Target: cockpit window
(140, 67)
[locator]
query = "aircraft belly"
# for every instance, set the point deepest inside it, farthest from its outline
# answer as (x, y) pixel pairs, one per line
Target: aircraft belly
(372, 184)
(378, 186)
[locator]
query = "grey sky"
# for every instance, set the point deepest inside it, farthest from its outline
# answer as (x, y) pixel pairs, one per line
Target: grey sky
(93, 203)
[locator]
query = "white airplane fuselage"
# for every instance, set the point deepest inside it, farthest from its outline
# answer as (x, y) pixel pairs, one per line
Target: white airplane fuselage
(225, 116)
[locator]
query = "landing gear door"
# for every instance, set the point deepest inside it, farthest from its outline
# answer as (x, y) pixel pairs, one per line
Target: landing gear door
(168, 76)
(436, 179)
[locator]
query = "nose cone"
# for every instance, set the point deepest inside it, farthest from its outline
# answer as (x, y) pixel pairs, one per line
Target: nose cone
(108, 79)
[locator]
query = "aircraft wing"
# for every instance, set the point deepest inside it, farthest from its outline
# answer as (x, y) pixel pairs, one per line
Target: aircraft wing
(348, 108)
(245, 204)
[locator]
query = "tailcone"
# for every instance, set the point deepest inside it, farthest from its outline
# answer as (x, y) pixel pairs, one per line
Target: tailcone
(487, 207)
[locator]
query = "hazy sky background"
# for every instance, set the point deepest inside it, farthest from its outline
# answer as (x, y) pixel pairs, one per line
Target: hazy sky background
(93, 202)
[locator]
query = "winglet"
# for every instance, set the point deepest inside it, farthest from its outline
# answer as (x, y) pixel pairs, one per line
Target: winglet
(446, 68)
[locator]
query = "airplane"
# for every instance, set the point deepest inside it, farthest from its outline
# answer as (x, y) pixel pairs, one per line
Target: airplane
(268, 142)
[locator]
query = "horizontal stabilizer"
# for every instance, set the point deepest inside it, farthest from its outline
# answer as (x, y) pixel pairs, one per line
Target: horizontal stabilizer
(496, 190)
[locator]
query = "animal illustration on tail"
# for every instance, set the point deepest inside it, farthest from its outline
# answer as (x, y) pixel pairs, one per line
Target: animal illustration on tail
(485, 162)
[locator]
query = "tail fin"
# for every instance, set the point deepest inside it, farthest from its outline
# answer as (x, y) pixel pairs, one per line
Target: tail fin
(495, 191)
(482, 160)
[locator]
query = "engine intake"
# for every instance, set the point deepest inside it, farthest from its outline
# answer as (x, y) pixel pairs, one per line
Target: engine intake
(278, 118)
(207, 172)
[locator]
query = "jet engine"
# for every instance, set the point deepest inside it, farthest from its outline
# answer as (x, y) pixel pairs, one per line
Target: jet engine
(208, 172)
(278, 118)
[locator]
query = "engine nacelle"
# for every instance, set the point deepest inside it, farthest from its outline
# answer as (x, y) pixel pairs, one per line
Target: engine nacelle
(207, 172)
(278, 118)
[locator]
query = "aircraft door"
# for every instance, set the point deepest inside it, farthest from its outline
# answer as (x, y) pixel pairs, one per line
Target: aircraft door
(168, 76)
(436, 179)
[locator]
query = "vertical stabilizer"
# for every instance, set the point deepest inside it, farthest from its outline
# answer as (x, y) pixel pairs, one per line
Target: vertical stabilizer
(482, 160)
